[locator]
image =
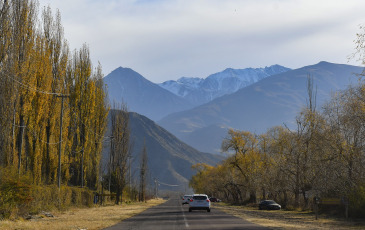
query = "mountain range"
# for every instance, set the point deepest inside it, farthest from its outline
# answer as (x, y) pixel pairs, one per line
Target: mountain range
(274, 96)
(199, 91)
(159, 100)
(273, 101)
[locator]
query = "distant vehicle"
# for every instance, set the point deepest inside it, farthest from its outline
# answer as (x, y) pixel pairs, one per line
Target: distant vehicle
(199, 202)
(213, 199)
(186, 199)
(269, 205)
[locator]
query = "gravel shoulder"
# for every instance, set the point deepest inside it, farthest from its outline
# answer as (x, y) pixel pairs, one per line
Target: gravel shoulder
(282, 219)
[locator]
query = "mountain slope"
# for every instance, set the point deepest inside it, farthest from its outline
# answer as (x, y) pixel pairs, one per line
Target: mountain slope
(272, 101)
(169, 159)
(141, 95)
(199, 91)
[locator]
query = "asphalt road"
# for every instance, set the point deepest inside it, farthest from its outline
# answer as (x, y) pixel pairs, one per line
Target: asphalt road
(171, 215)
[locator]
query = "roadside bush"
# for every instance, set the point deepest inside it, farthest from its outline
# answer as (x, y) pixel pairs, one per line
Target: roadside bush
(82, 197)
(14, 197)
(18, 197)
(357, 202)
(51, 197)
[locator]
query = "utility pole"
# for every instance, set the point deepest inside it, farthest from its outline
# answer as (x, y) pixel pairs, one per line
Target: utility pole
(82, 168)
(156, 187)
(130, 177)
(110, 160)
(60, 144)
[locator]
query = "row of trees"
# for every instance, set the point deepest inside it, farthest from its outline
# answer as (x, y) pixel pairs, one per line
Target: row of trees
(323, 156)
(52, 100)
(54, 110)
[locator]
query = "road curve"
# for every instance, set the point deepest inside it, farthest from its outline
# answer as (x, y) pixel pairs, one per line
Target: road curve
(171, 215)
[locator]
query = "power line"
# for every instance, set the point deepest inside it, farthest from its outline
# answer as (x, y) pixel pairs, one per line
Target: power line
(108, 138)
(171, 185)
(59, 95)
(35, 134)
(34, 89)
(49, 143)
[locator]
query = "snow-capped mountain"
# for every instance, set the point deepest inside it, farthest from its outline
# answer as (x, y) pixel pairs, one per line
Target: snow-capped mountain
(199, 91)
(182, 86)
(273, 101)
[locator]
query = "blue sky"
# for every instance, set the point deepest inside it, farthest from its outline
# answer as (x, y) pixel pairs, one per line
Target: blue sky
(168, 39)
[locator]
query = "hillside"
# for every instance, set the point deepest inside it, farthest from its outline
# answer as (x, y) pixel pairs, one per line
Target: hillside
(275, 100)
(169, 159)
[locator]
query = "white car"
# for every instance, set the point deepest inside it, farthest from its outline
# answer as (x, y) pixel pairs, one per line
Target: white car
(199, 202)
(186, 199)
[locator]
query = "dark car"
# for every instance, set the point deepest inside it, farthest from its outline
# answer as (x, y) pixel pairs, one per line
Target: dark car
(213, 199)
(269, 205)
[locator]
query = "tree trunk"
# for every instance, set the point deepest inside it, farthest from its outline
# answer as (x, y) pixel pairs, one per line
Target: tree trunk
(253, 197)
(296, 198)
(20, 143)
(117, 198)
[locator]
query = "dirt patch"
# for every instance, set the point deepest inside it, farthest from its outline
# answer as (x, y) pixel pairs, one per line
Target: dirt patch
(281, 219)
(86, 218)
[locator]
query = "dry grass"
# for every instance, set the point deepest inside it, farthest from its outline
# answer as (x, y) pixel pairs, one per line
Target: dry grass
(290, 219)
(87, 218)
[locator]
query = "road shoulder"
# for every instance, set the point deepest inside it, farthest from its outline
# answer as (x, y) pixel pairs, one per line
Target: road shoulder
(282, 219)
(97, 217)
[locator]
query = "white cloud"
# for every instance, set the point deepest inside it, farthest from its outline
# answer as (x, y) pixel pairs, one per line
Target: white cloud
(164, 39)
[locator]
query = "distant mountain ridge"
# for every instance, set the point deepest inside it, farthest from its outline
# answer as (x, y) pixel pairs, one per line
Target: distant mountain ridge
(199, 91)
(125, 85)
(275, 100)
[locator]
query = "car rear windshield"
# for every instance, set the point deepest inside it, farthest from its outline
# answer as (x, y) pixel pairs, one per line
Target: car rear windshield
(270, 202)
(199, 197)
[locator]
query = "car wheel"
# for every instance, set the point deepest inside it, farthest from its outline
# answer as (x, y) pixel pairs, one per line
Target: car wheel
(208, 210)
(190, 209)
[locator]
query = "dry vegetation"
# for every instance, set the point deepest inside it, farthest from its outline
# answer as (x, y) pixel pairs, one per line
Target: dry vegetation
(290, 219)
(88, 218)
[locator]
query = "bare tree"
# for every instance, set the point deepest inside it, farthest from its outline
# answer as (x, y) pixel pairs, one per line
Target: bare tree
(143, 174)
(120, 149)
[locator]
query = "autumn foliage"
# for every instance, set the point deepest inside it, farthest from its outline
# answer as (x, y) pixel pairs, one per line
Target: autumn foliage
(322, 157)
(38, 73)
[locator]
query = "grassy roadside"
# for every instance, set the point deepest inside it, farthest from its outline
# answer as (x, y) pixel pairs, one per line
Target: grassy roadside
(289, 219)
(86, 218)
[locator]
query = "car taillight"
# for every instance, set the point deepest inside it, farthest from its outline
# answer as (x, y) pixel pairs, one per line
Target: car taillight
(208, 200)
(191, 200)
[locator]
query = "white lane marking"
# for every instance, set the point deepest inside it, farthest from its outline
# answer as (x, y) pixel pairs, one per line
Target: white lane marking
(186, 222)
